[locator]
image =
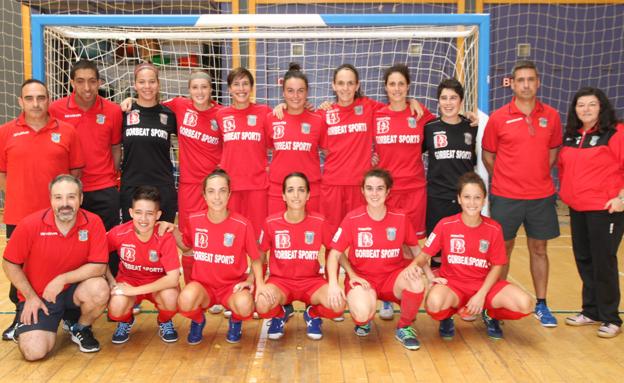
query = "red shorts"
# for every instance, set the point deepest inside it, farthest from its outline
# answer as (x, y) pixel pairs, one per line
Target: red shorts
(277, 204)
(298, 289)
(338, 200)
(251, 204)
(219, 295)
(190, 200)
(414, 203)
(465, 291)
(382, 284)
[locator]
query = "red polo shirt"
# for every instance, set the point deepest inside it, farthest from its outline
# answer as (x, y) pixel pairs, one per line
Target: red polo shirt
(44, 253)
(522, 146)
(99, 128)
(31, 160)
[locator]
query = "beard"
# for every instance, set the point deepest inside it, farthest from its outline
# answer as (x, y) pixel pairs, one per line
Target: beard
(65, 213)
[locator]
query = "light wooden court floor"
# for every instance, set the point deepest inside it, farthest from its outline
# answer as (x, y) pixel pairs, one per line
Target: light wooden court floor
(528, 352)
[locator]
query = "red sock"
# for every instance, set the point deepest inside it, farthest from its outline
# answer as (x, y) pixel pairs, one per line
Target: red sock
(317, 311)
(127, 317)
(196, 315)
(442, 314)
(165, 315)
(187, 267)
(503, 313)
(410, 303)
(275, 312)
(237, 317)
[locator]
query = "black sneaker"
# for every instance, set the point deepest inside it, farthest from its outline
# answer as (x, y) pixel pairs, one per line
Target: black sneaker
(9, 333)
(84, 339)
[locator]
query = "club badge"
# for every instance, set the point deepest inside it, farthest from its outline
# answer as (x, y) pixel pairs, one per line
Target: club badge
(543, 122)
(55, 137)
(391, 233)
(213, 125)
(100, 119)
(305, 128)
(411, 121)
(163, 118)
(251, 120)
(133, 118)
(153, 256)
(468, 138)
(83, 235)
(359, 110)
(594, 141)
(484, 245)
(228, 239)
(309, 237)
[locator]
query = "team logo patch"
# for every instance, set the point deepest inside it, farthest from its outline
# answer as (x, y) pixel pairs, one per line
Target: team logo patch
(383, 125)
(251, 120)
(391, 233)
(305, 128)
(163, 118)
(543, 122)
(359, 110)
(133, 118)
(127, 254)
(440, 140)
(229, 124)
(430, 239)
(201, 240)
(365, 239)
(83, 235)
(332, 117)
(190, 118)
(282, 241)
(594, 140)
(458, 246)
(484, 245)
(468, 138)
(213, 125)
(228, 239)
(309, 237)
(278, 132)
(55, 137)
(100, 119)
(153, 256)
(411, 122)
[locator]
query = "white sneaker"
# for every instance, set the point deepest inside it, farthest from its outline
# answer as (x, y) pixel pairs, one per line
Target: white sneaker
(215, 309)
(386, 311)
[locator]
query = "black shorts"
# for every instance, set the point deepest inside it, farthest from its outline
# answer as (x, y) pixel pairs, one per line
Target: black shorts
(104, 203)
(50, 322)
(438, 208)
(539, 216)
(168, 202)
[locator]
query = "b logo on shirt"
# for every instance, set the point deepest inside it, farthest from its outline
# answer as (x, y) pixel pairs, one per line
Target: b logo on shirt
(282, 241)
(278, 132)
(201, 240)
(458, 246)
(383, 125)
(332, 117)
(229, 124)
(127, 253)
(133, 118)
(190, 118)
(365, 239)
(440, 141)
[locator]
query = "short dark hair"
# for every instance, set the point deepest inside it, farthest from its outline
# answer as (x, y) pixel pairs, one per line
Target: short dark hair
(607, 119)
(454, 85)
(148, 193)
(294, 71)
(299, 175)
(217, 172)
(65, 178)
(84, 64)
(471, 178)
(239, 72)
(400, 68)
(523, 64)
(33, 81)
(379, 173)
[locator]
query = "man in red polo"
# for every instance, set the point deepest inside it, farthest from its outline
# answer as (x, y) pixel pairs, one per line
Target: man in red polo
(34, 148)
(520, 145)
(57, 258)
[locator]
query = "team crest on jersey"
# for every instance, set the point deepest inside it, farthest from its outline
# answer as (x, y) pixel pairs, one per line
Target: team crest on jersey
(201, 240)
(282, 240)
(127, 253)
(213, 125)
(484, 245)
(133, 118)
(543, 122)
(594, 140)
(309, 237)
(163, 118)
(468, 138)
(190, 118)
(229, 125)
(411, 122)
(359, 110)
(391, 233)
(430, 239)
(440, 140)
(251, 120)
(383, 125)
(100, 119)
(153, 256)
(228, 239)
(83, 235)
(365, 239)
(55, 137)
(458, 246)
(332, 117)
(278, 132)
(305, 128)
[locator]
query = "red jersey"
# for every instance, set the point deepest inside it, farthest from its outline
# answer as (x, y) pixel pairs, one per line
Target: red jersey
(199, 139)
(398, 141)
(522, 145)
(140, 262)
(294, 247)
(244, 155)
(31, 160)
(295, 142)
(375, 247)
(220, 249)
(45, 253)
(591, 168)
(468, 253)
(99, 128)
(348, 141)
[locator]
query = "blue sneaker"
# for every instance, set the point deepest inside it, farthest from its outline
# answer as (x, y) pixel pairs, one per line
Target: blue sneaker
(447, 328)
(313, 325)
(235, 331)
(195, 335)
(407, 336)
(362, 330)
(167, 331)
(289, 311)
(494, 330)
(386, 311)
(543, 314)
(122, 333)
(276, 328)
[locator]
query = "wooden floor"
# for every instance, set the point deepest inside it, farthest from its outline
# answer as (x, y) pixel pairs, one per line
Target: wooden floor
(528, 353)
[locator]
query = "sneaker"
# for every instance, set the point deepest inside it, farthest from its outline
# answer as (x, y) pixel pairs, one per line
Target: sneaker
(235, 331)
(386, 312)
(227, 313)
(276, 328)
(493, 326)
(362, 330)
(447, 328)
(543, 314)
(167, 331)
(609, 330)
(465, 316)
(313, 325)
(407, 336)
(255, 315)
(195, 335)
(579, 320)
(215, 309)
(289, 311)
(67, 324)
(122, 333)
(84, 339)
(136, 309)
(9, 332)
(339, 319)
